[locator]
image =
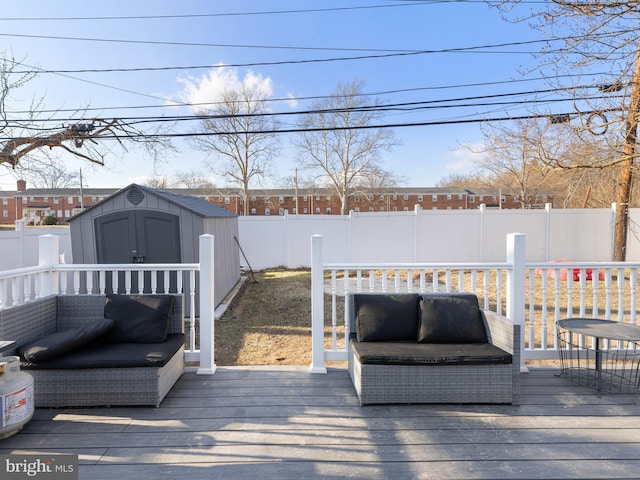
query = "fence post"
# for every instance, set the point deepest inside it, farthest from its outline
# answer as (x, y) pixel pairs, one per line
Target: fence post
(516, 287)
(48, 253)
(317, 306)
(207, 306)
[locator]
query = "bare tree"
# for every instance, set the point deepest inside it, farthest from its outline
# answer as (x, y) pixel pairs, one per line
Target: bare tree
(193, 179)
(50, 173)
(516, 156)
(241, 137)
(603, 35)
(338, 141)
(160, 182)
(25, 137)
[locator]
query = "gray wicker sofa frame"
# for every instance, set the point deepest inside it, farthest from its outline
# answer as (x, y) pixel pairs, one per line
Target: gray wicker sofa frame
(69, 387)
(441, 383)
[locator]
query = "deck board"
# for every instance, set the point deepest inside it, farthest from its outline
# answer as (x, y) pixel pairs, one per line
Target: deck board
(283, 422)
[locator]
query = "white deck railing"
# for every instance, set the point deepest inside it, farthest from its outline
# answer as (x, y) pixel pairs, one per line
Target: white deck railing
(535, 295)
(50, 278)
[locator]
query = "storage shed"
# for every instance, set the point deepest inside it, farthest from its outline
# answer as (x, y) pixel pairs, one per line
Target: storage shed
(140, 224)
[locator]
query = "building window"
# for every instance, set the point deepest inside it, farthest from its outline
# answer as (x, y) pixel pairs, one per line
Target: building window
(24, 200)
(420, 198)
(253, 211)
(328, 210)
(280, 199)
(317, 198)
(266, 200)
(382, 197)
(67, 214)
(395, 197)
(357, 209)
(304, 198)
(328, 198)
(317, 210)
(370, 197)
(305, 210)
(253, 198)
(448, 196)
(356, 198)
(281, 211)
(503, 198)
(56, 200)
(295, 211)
(434, 208)
(94, 199)
(5, 213)
(227, 200)
(395, 209)
(459, 196)
(434, 198)
(472, 199)
(45, 199)
(371, 209)
(405, 209)
(382, 209)
(70, 200)
(406, 197)
(267, 211)
(5, 201)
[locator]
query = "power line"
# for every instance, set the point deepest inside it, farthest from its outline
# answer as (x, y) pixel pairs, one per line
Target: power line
(359, 127)
(232, 14)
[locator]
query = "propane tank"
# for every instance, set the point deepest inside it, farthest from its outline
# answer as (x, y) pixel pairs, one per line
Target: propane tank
(16, 397)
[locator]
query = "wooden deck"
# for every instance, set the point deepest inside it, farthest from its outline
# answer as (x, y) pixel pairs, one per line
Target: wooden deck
(282, 422)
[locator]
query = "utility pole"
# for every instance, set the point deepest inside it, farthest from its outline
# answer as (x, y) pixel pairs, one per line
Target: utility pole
(625, 177)
(295, 186)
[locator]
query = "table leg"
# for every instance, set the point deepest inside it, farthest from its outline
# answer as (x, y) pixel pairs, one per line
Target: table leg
(598, 365)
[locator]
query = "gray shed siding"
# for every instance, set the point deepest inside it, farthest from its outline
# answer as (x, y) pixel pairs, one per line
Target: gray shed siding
(192, 224)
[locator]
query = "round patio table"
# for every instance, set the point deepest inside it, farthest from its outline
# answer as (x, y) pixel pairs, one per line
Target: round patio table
(601, 330)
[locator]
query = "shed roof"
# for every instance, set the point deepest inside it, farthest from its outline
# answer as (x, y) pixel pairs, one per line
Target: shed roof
(188, 202)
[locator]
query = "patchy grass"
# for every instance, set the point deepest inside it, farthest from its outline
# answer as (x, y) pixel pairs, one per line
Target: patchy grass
(269, 322)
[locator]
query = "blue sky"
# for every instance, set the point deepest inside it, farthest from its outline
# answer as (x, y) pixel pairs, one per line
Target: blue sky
(74, 35)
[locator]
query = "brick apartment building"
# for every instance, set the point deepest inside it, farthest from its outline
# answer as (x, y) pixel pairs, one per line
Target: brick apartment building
(34, 204)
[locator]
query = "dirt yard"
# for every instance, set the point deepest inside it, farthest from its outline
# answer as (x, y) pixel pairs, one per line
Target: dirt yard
(269, 322)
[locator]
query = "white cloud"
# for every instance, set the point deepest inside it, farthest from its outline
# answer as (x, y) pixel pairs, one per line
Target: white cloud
(292, 101)
(211, 86)
(463, 160)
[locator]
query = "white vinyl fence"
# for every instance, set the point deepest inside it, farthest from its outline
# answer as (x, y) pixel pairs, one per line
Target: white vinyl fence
(391, 237)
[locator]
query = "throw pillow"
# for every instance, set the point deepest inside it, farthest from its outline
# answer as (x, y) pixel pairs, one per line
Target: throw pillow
(451, 318)
(138, 318)
(382, 318)
(56, 344)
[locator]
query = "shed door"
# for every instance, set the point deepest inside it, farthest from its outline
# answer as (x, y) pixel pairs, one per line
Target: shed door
(138, 236)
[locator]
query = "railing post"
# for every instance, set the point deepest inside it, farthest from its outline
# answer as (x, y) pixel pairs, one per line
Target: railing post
(516, 287)
(48, 253)
(317, 306)
(207, 306)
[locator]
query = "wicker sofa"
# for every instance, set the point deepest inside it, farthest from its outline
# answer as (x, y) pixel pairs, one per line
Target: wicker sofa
(136, 372)
(431, 348)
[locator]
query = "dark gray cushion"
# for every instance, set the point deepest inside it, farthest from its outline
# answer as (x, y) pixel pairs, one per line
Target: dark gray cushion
(386, 317)
(413, 353)
(115, 355)
(451, 318)
(138, 318)
(56, 344)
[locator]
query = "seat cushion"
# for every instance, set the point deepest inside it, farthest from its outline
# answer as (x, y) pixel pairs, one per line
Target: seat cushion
(386, 317)
(412, 353)
(116, 355)
(451, 318)
(138, 318)
(58, 343)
